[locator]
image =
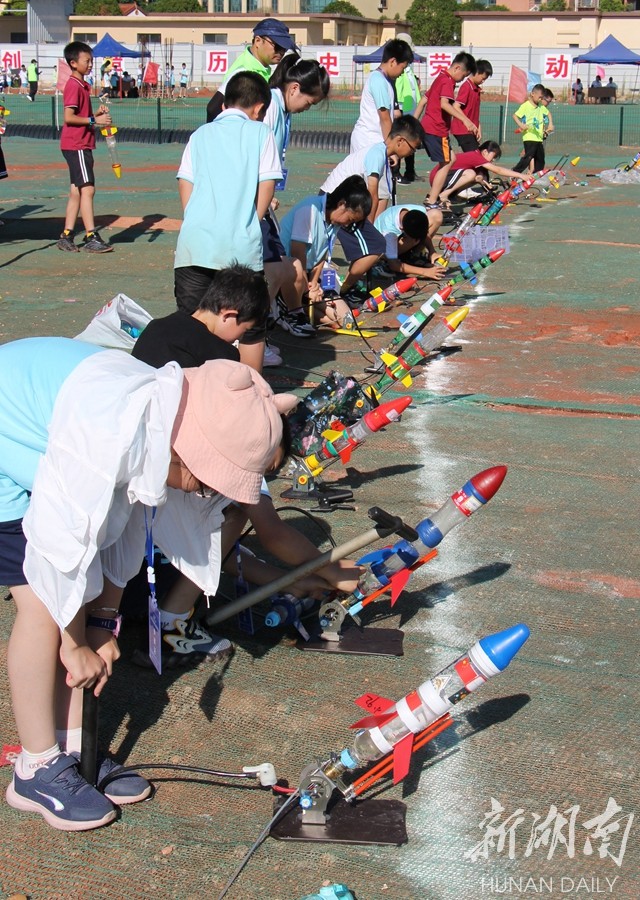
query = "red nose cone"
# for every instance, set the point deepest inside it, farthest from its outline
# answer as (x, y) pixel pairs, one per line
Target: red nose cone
(495, 255)
(386, 413)
(488, 482)
(445, 292)
(475, 212)
(406, 284)
(505, 196)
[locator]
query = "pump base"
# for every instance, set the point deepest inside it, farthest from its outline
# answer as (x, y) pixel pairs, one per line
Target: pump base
(381, 822)
(364, 641)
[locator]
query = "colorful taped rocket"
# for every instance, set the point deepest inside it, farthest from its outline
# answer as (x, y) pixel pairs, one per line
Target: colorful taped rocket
(468, 271)
(412, 325)
(379, 299)
(398, 368)
(452, 242)
(500, 201)
(341, 444)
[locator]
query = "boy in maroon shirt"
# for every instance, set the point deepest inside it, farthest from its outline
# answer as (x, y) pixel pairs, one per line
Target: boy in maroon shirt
(436, 122)
(468, 99)
(471, 167)
(77, 142)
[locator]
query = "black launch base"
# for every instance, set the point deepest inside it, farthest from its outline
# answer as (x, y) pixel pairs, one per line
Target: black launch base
(381, 822)
(359, 641)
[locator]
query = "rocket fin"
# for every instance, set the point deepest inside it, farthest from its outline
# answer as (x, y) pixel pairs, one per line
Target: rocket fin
(402, 318)
(398, 584)
(402, 758)
(374, 703)
(331, 435)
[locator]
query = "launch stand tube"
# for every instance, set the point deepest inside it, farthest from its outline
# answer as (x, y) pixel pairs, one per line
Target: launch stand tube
(395, 526)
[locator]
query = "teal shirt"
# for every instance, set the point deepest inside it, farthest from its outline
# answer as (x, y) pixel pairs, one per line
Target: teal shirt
(225, 161)
(32, 372)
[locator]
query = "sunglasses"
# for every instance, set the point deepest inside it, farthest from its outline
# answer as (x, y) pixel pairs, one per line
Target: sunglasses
(276, 47)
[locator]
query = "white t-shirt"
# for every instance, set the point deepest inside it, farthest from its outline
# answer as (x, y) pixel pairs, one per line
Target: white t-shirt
(368, 161)
(376, 94)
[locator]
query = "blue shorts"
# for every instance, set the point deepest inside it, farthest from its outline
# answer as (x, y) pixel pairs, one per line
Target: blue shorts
(438, 148)
(361, 239)
(13, 544)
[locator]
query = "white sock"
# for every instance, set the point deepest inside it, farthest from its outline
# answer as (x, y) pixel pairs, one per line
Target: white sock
(168, 618)
(27, 763)
(70, 741)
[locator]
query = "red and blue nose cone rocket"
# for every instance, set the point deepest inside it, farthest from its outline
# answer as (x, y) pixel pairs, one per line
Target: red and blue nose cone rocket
(503, 646)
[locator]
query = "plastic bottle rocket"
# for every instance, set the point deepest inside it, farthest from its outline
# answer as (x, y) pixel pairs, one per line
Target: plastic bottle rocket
(452, 242)
(633, 164)
(399, 368)
(341, 444)
(520, 187)
(393, 726)
(390, 566)
(468, 271)
(109, 134)
(379, 299)
(413, 324)
(288, 610)
(500, 201)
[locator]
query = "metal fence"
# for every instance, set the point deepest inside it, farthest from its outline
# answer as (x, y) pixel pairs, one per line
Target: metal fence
(327, 126)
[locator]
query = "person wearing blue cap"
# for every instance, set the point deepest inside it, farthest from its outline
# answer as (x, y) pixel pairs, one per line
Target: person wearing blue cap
(271, 40)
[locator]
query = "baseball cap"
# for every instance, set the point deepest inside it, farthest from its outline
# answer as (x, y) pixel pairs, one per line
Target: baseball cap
(277, 31)
(228, 427)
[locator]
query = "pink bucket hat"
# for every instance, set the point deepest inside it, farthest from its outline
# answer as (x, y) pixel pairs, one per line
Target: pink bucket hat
(228, 427)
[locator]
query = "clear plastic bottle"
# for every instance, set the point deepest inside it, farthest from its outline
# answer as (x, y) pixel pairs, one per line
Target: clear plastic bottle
(414, 712)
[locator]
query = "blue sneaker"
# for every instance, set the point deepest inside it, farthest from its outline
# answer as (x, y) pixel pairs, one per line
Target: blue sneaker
(126, 788)
(62, 797)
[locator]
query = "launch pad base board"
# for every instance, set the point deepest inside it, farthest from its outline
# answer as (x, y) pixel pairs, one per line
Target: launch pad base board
(364, 641)
(381, 822)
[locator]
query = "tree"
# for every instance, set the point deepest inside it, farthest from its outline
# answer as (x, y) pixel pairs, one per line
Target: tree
(177, 6)
(434, 22)
(553, 6)
(613, 6)
(97, 8)
(478, 6)
(343, 8)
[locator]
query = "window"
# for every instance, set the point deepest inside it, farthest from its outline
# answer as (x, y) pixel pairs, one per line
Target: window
(313, 6)
(235, 6)
(19, 37)
(149, 39)
(88, 37)
(215, 38)
(252, 5)
(218, 6)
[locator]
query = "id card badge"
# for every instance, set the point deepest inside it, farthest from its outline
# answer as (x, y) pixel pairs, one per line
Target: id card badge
(155, 635)
(282, 183)
(329, 279)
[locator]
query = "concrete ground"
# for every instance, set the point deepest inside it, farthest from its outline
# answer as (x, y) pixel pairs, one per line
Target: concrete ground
(533, 791)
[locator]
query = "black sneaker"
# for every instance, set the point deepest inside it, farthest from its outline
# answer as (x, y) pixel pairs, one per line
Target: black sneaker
(402, 179)
(94, 244)
(354, 297)
(297, 324)
(66, 243)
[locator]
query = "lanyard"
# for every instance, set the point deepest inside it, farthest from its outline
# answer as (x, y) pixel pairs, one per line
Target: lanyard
(331, 239)
(287, 133)
(387, 173)
(151, 575)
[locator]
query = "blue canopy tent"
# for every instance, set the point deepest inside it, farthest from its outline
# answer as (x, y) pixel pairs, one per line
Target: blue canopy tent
(108, 46)
(361, 59)
(610, 52)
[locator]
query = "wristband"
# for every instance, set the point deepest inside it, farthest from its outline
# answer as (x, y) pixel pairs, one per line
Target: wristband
(92, 120)
(112, 625)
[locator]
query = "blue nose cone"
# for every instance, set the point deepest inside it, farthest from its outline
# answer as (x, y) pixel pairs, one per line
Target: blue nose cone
(503, 646)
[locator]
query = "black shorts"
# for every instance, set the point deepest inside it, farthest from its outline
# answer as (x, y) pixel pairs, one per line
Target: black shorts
(361, 239)
(452, 178)
(191, 283)
(272, 247)
(80, 164)
(467, 142)
(438, 148)
(12, 549)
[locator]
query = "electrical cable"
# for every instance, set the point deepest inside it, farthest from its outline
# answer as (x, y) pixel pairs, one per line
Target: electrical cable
(261, 837)
(174, 767)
